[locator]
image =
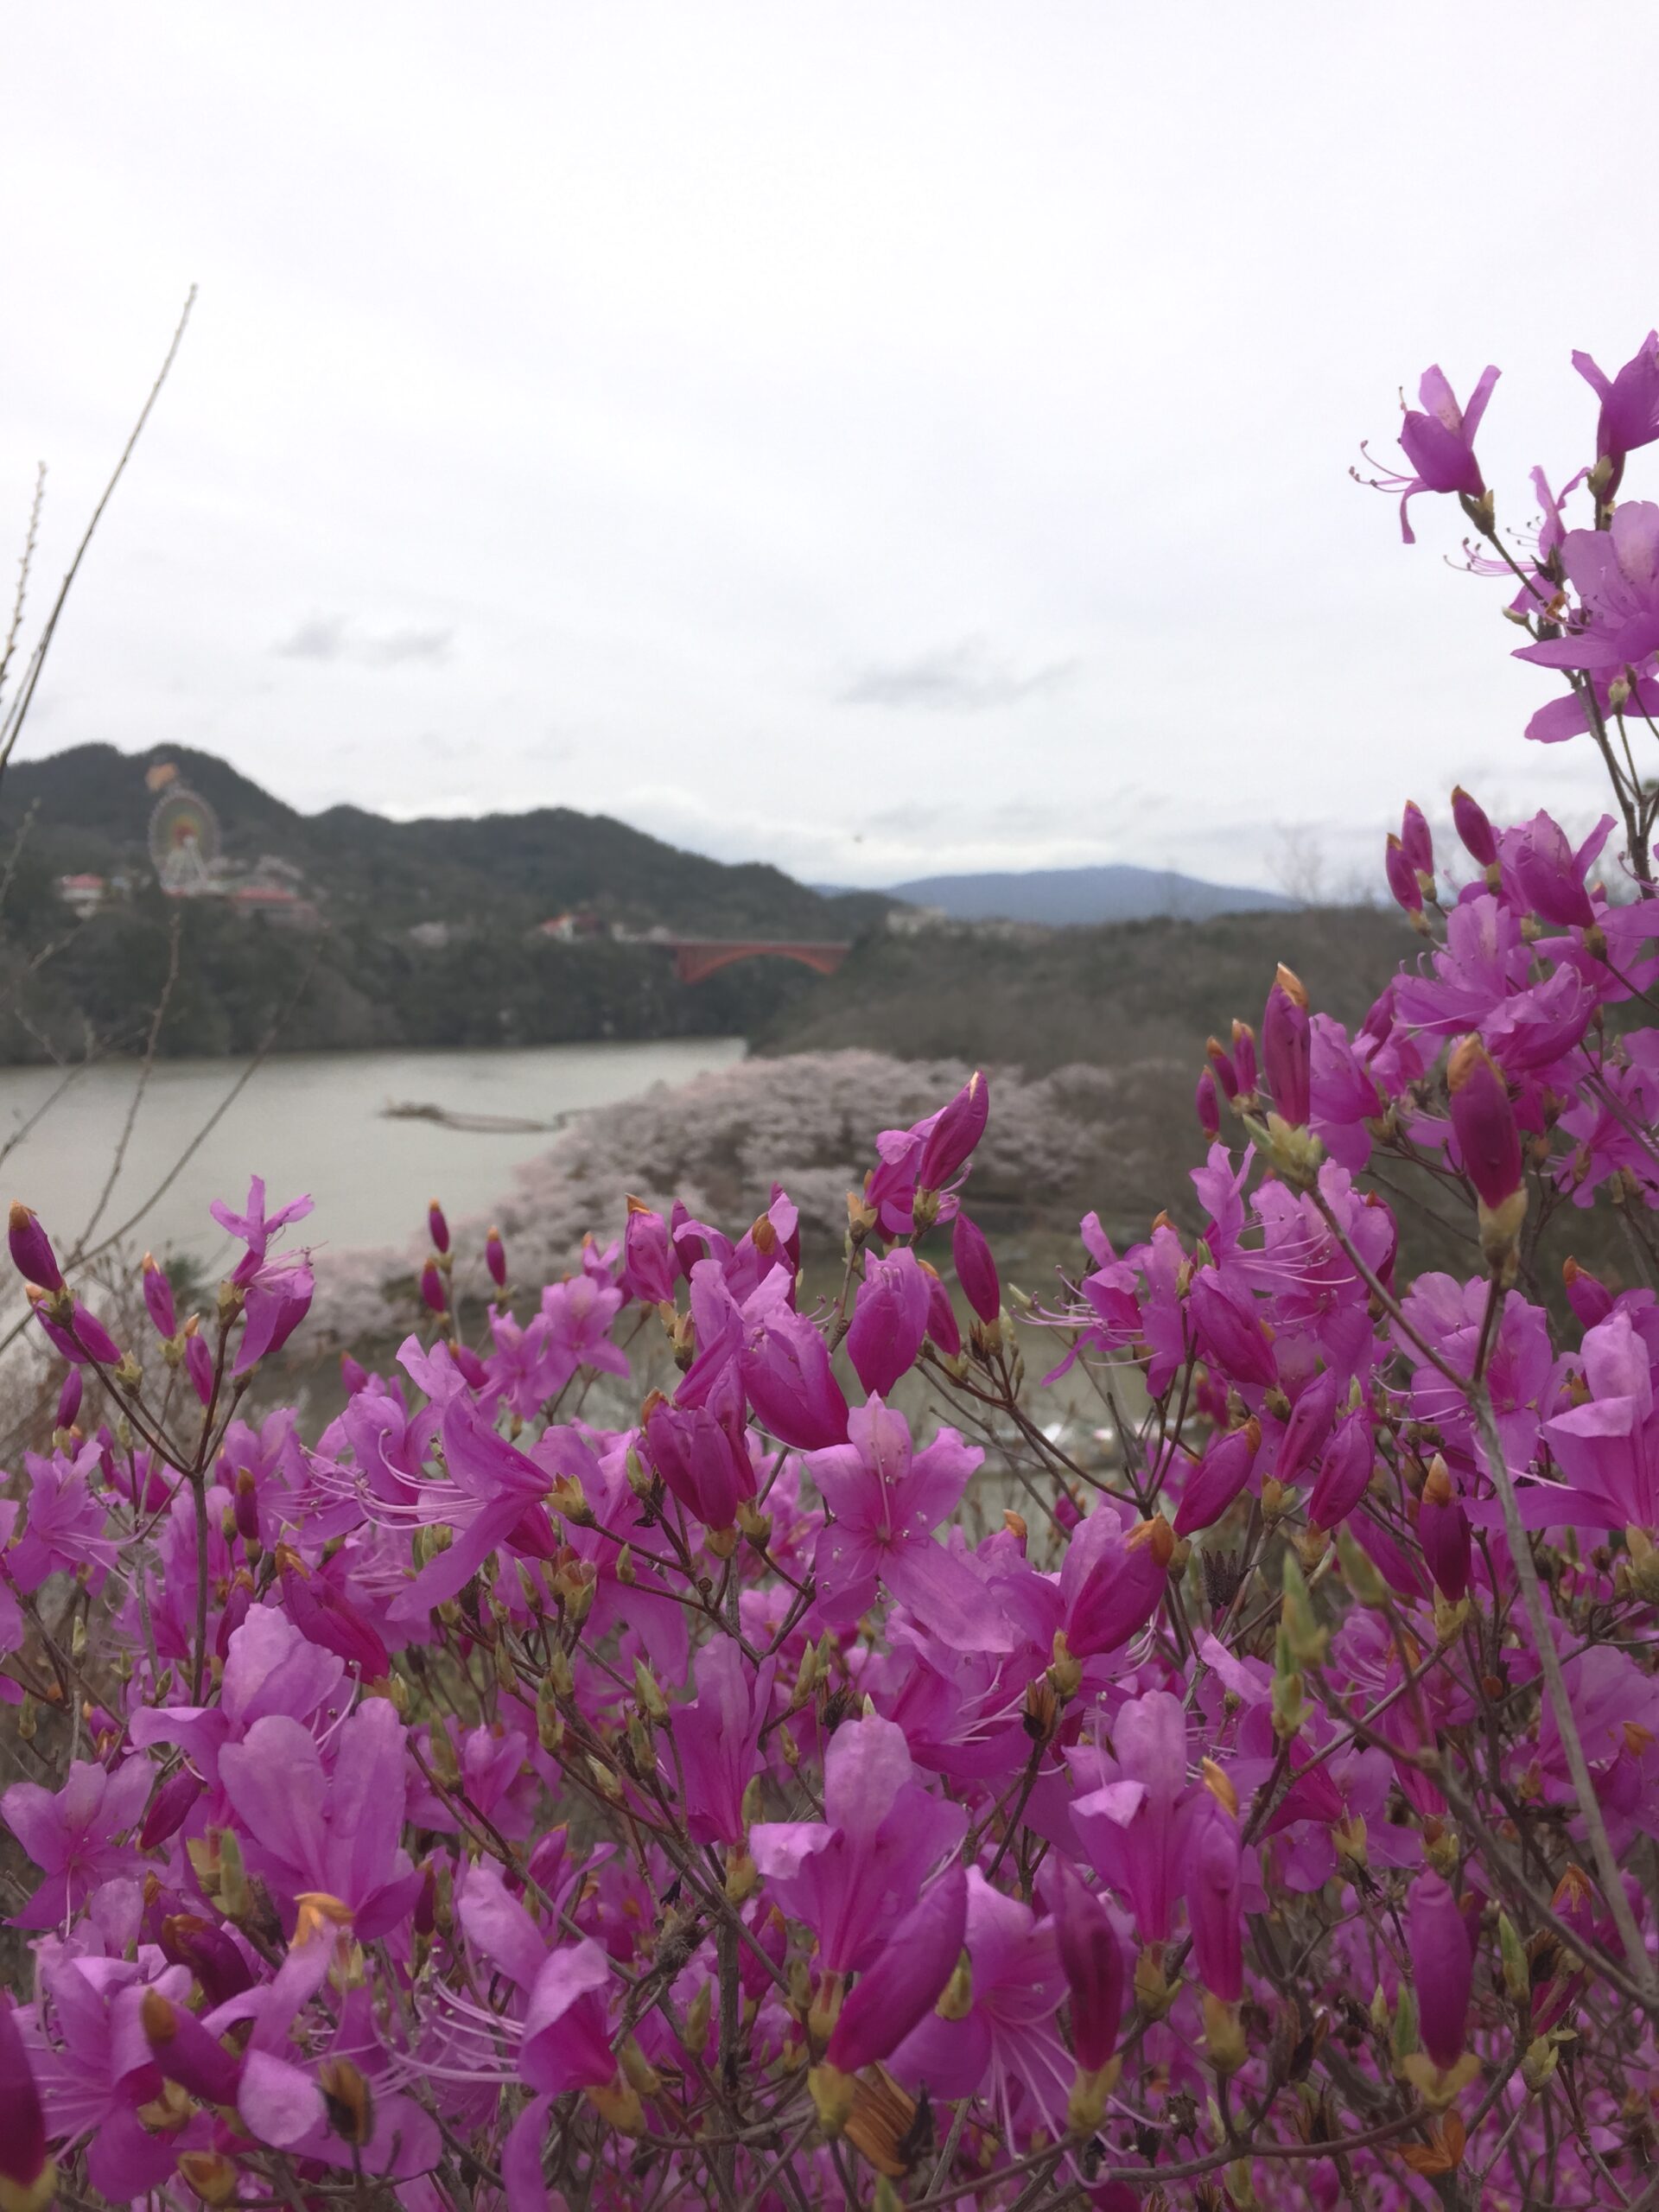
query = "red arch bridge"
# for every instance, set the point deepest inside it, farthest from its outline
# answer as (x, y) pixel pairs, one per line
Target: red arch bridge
(696, 958)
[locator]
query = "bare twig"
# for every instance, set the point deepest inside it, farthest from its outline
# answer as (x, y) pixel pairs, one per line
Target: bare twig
(11, 727)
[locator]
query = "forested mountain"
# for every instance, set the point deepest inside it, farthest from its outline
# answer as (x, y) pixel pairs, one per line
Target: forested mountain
(426, 933)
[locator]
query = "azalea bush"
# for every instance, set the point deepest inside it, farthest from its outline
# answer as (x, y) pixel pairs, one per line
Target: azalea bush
(764, 1801)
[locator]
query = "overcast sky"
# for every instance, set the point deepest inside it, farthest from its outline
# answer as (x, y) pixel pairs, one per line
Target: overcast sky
(880, 438)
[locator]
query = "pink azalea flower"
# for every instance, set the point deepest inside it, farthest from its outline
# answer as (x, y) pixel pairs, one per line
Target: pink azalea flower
(886, 1503)
(852, 1875)
(73, 1834)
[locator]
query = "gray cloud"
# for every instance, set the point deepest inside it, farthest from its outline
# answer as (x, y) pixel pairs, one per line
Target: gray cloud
(959, 679)
(330, 637)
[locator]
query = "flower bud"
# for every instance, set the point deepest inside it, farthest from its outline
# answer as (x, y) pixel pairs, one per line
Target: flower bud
(1286, 1049)
(69, 1399)
(1092, 1960)
(951, 1141)
(1344, 1474)
(889, 1320)
(495, 1258)
(184, 2050)
(1206, 1105)
(1218, 1479)
(1406, 890)
(1223, 1074)
(170, 1807)
(649, 1270)
(1591, 1300)
(197, 1362)
(976, 1268)
(1418, 845)
(437, 1227)
(1550, 876)
(942, 1329)
(1308, 1426)
(1442, 1970)
(432, 1289)
(31, 1249)
(158, 1298)
(1443, 1531)
(1490, 1145)
(1469, 818)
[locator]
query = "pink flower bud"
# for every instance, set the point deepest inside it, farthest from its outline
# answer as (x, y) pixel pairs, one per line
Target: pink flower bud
(199, 1366)
(1589, 1299)
(495, 1259)
(1229, 1331)
(1441, 1967)
(1415, 840)
(1308, 1426)
(1244, 1056)
(324, 1618)
(701, 1455)
(69, 1400)
(211, 1955)
(941, 1315)
(170, 1807)
(976, 1268)
(1443, 1531)
(1218, 1479)
(1484, 1122)
(31, 1249)
(1470, 820)
(1122, 1589)
(246, 1506)
(237, 1605)
(1404, 886)
(648, 1268)
(896, 1993)
(1346, 1470)
(353, 1374)
(474, 1371)
(437, 1227)
(889, 1320)
(1550, 876)
(954, 1134)
(187, 2052)
(789, 1381)
(81, 1339)
(1092, 1960)
(1216, 1909)
(432, 1289)
(158, 1298)
(1286, 1049)
(1222, 1071)
(1206, 1105)
(25, 2169)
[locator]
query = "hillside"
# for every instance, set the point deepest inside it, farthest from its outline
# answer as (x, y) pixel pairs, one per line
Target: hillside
(1118, 996)
(92, 810)
(1067, 897)
(477, 973)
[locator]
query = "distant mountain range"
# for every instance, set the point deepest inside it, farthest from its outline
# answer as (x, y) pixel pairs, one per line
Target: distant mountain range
(1062, 897)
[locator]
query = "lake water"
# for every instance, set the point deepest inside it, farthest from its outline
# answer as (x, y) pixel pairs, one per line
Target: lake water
(310, 1122)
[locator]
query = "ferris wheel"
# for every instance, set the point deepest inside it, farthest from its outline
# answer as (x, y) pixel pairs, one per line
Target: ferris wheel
(184, 843)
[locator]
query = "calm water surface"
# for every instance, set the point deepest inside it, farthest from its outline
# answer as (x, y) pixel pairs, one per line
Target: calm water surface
(310, 1122)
